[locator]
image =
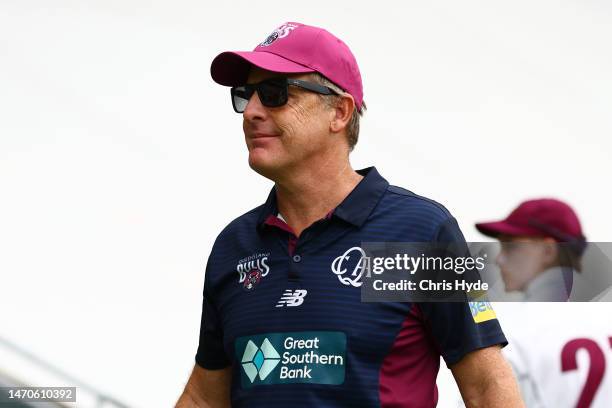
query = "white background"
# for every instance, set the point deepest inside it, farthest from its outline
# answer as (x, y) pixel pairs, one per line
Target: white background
(120, 159)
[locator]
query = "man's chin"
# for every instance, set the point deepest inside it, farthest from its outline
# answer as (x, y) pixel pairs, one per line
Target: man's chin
(267, 168)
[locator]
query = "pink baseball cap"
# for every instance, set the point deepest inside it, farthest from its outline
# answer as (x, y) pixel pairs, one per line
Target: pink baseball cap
(546, 217)
(294, 48)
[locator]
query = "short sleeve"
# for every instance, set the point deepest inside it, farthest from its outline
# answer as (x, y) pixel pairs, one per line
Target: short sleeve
(211, 354)
(458, 330)
(460, 327)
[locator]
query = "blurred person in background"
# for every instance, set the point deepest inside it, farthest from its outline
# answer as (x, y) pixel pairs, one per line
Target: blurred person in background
(561, 352)
(541, 249)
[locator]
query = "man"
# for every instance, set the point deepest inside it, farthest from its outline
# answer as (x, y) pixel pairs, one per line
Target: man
(283, 323)
(559, 351)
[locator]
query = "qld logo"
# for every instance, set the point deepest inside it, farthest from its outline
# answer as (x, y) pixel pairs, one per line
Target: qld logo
(349, 266)
(252, 269)
(280, 32)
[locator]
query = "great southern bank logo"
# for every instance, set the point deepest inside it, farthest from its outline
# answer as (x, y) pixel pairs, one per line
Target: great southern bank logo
(292, 357)
(259, 360)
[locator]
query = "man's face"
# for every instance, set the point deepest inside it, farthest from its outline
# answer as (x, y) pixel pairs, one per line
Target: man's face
(281, 139)
(521, 259)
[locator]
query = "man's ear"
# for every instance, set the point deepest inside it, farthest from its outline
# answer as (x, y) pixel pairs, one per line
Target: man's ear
(342, 113)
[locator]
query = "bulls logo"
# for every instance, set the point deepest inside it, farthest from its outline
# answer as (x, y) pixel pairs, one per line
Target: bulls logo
(252, 269)
(252, 279)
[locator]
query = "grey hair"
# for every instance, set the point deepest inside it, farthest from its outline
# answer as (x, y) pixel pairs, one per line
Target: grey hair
(352, 129)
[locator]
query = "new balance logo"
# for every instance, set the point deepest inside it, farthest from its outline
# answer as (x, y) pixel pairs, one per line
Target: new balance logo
(292, 298)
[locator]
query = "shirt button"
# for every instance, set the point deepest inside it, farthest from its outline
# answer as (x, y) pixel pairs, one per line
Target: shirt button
(297, 258)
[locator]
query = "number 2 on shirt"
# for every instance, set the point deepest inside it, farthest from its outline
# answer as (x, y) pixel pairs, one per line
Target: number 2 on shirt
(597, 367)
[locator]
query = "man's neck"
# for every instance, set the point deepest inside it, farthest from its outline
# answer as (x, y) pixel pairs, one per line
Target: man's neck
(311, 194)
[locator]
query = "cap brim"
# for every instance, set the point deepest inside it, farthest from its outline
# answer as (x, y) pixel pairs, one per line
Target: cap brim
(496, 228)
(231, 68)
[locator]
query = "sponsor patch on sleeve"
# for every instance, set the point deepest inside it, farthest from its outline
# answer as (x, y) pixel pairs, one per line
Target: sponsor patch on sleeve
(482, 311)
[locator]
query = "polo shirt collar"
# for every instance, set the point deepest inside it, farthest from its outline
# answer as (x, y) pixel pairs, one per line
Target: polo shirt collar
(269, 208)
(359, 204)
(354, 209)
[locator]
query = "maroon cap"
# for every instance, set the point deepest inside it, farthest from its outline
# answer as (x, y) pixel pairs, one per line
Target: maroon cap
(294, 48)
(545, 217)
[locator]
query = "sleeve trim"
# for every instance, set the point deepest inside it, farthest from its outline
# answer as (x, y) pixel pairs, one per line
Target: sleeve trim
(493, 339)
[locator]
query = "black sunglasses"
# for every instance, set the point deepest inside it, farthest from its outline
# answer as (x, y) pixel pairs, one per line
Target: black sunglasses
(272, 92)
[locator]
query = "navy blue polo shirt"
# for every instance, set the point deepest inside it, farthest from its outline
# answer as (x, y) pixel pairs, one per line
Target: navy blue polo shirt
(286, 313)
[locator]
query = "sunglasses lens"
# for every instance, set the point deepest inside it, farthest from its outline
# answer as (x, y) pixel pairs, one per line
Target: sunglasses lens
(240, 98)
(273, 93)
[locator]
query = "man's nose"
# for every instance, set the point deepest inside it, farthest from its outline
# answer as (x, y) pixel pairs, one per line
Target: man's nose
(254, 109)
